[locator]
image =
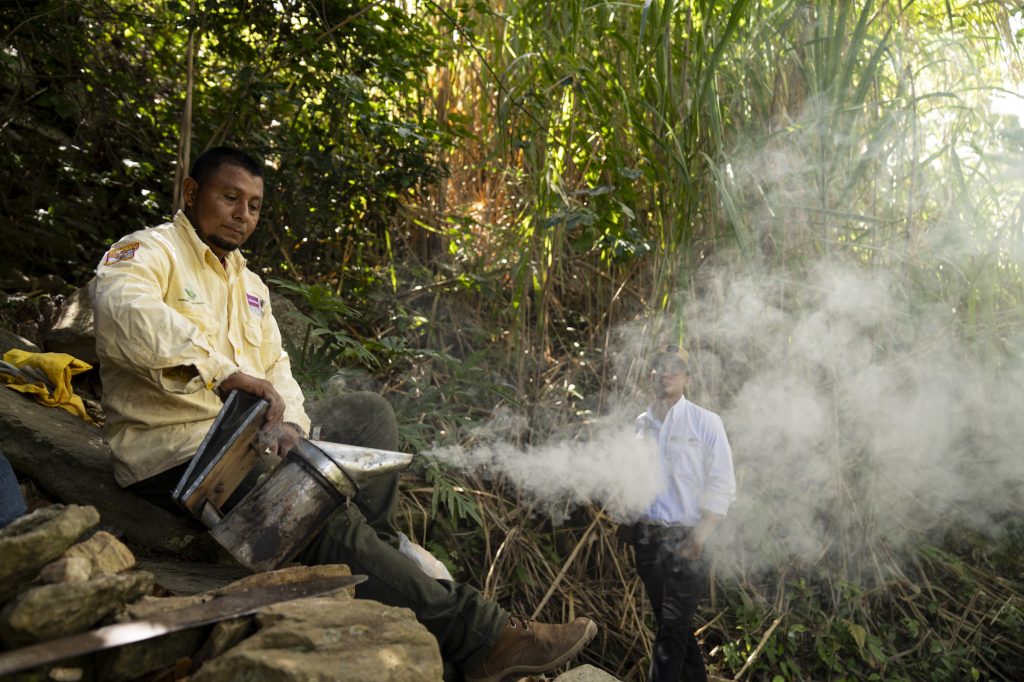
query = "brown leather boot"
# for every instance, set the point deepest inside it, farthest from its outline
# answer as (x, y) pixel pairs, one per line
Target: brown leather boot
(528, 647)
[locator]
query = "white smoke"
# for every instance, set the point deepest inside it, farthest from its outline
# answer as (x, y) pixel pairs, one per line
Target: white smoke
(611, 468)
(855, 415)
(864, 405)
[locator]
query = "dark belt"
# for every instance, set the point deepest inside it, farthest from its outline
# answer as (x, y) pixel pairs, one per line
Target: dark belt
(651, 532)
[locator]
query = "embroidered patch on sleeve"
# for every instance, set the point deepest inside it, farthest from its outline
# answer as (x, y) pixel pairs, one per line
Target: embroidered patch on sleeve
(121, 252)
(255, 304)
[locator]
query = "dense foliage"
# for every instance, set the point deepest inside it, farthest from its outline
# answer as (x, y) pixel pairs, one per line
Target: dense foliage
(482, 208)
(94, 97)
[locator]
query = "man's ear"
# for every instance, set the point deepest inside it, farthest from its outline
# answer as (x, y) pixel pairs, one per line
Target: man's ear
(189, 189)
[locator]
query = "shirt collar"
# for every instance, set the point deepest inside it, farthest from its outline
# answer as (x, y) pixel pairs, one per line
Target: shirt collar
(679, 404)
(234, 260)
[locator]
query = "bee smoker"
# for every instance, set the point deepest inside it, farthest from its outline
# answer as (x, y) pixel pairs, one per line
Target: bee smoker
(283, 513)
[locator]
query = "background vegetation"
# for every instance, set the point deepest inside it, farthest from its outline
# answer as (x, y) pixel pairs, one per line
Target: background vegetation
(469, 203)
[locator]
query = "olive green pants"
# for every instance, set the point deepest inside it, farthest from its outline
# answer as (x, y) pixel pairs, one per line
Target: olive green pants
(363, 535)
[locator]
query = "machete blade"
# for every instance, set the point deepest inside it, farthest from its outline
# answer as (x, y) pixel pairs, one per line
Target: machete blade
(215, 609)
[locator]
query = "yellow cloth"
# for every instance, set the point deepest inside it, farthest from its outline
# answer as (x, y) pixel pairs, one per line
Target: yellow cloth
(59, 368)
(172, 323)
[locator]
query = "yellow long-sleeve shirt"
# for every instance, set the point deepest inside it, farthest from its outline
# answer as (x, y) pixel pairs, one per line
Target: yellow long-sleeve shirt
(172, 322)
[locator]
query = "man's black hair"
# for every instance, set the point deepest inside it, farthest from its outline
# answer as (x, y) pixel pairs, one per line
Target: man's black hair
(207, 163)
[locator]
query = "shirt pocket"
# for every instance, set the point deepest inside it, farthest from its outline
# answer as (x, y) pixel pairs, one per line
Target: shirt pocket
(253, 332)
(687, 462)
(253, 328)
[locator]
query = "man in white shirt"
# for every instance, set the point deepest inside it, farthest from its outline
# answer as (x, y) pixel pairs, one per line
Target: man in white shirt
(696, 462)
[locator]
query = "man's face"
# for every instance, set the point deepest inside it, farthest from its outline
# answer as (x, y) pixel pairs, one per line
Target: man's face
(225, 208)
(669, 377)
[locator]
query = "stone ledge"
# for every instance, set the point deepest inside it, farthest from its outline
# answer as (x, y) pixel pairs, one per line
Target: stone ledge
(68, 459)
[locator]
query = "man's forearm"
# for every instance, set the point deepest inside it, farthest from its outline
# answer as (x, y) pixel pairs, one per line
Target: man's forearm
(136, 330)
(694, 546)
(709, 521)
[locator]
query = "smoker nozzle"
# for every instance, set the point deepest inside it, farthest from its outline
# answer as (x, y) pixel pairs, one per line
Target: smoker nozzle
(355, 464)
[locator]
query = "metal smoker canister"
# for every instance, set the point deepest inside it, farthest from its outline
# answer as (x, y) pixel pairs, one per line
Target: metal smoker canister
(281, 515)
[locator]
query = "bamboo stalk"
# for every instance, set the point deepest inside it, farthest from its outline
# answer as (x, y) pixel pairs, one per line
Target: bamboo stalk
(185, 136)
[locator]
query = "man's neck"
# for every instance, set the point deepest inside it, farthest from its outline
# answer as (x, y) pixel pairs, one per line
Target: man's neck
(663, 404)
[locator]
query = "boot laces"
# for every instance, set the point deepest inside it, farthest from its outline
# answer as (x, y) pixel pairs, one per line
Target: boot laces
(519, 622)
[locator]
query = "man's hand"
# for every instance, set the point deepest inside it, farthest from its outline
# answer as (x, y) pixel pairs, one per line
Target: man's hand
(290, 435)
(694, 545)
(261, 388)
(278, 440)
(691, 549)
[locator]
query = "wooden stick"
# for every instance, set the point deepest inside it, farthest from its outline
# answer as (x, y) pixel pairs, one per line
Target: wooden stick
(497, 558)
(568, 562)
(757, 652)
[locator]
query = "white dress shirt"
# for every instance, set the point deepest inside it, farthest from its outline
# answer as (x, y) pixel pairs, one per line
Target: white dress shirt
(696, 463)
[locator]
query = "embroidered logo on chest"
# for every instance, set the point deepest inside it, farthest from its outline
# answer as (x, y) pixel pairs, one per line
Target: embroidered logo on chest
(191, 296)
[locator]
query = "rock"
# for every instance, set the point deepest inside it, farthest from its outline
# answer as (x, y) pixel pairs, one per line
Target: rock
(186, 578)
(66, 674)
(139, 659)
(51, 611)
(16, 280)
(36, 539)
(104, 552)
(185, 650)
(290, 322)
(9, 340)
(67, 569)
(68, 459)
(73, 332)
(285, 576)
(225, 635)
(150, 606)
(586, 673)
(51, 283)
(327, 638)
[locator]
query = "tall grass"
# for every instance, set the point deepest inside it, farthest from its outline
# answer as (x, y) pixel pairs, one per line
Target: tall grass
(619, 151)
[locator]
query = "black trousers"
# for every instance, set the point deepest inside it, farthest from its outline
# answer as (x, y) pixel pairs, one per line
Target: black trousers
(674, 586)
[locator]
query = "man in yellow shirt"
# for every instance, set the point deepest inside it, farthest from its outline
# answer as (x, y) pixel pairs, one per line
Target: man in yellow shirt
(181, 321)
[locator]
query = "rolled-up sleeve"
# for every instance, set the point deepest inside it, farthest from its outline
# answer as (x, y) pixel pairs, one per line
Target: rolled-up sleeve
(720, 479)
